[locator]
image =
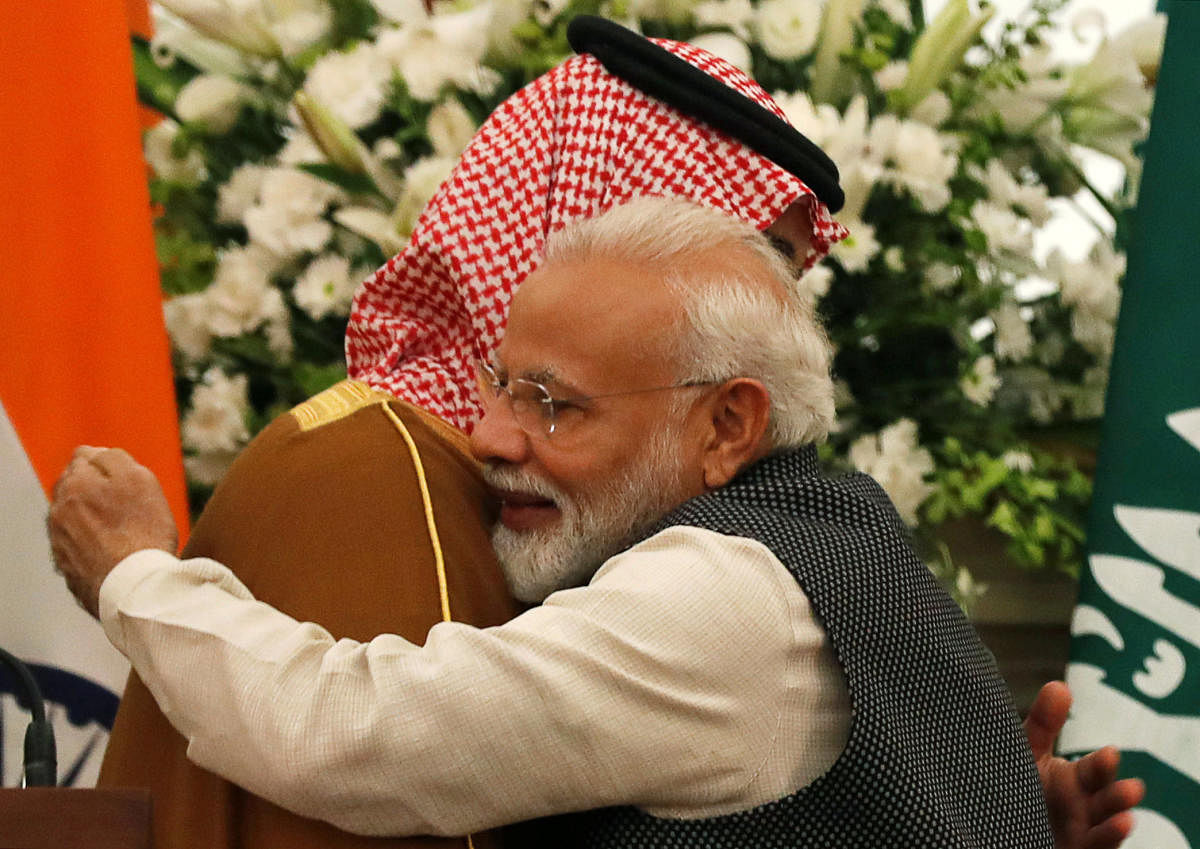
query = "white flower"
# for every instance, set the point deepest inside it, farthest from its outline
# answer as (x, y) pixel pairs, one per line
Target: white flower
(940, 276)
(919, 158)
(894, 458)
(787, 29)
(940, 48)
(933, 110)
(373, 225)
(209, 467)
(216, 416)
(157, 145)
(399, 11)
(327, 286)
(1018, 461)
(213, 100)
(893, 258)
(857, 250)
(842, 136)
(815, 282)
(1044, 402)
(241, 297)
(546, 11)
(443, 49)
(1004, 230)
(187, 320)
(892, 75)
(897, 10)
(239, 193)
(450, 128)
(726, 45)
(278, 327)
(1087, 399)
(172, 37)
(1022, 105)
(351, 85)
(1092, 284)
(287, 219)
(259, 27)
(979, 385)
(661, 10)
(299, 148)
(1004, 190)
(421, 180)
(1143, 41)
(503, 45)
(1013, 339)
(303, 23)
(1093, 331)
(733, 15)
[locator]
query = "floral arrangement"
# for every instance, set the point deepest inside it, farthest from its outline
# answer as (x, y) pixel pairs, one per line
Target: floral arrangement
(302, 138)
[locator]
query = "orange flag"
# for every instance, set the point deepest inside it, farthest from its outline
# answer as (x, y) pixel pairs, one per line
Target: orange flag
(84, 355)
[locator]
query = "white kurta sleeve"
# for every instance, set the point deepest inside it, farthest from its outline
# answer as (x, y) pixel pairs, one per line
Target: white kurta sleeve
(677, 681)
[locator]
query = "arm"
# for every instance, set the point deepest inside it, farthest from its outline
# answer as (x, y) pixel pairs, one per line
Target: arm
(389, 737)
(1089, 807)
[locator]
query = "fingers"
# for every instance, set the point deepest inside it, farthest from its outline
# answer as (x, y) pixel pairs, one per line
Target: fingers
(1098, 769)
(108, 461)
(1110, 800)
(1111, 833)
(1046, 717)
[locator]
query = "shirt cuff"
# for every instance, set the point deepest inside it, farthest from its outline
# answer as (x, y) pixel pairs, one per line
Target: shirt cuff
(122, 581)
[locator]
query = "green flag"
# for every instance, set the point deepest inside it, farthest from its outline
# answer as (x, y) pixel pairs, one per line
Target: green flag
(1135, 668)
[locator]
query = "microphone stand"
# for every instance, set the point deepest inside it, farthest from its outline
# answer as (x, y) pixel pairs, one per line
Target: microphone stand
(41, 758)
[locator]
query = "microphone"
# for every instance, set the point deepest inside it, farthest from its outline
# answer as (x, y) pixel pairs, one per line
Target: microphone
(41, 758)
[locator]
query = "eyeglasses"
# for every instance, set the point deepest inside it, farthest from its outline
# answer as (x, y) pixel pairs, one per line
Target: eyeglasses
(536, 410)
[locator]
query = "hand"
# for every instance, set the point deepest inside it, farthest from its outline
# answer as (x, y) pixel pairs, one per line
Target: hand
(1089, 808)
(105, 507)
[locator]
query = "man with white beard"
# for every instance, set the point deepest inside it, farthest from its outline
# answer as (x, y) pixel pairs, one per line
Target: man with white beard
(690, 676)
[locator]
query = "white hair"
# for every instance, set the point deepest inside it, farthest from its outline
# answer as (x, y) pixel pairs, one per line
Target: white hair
(736, 324)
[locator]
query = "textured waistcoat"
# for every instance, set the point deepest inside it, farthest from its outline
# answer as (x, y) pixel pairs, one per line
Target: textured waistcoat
(936, 756)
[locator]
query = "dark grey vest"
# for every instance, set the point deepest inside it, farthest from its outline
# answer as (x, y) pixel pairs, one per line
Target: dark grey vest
(936, 755)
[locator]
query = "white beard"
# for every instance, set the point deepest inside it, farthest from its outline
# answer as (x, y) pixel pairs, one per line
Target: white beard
(538, 562)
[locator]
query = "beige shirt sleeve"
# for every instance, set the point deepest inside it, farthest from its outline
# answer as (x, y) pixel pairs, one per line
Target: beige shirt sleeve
(688, 678)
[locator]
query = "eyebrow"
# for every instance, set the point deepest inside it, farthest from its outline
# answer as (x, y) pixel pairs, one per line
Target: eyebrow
(546, 375)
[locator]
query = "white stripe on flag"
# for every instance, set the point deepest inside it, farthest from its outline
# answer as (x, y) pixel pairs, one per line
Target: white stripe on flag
(41, 624)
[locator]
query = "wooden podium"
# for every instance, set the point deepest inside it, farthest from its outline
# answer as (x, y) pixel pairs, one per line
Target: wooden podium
(74, 818)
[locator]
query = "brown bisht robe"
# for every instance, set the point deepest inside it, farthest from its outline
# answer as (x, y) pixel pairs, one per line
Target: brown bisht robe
(322, 516)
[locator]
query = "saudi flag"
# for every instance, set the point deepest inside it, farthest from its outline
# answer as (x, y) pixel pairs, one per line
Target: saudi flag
(1135, 668)
(83, 350)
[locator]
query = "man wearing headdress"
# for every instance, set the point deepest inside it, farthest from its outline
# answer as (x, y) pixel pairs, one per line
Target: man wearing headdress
(362, 509)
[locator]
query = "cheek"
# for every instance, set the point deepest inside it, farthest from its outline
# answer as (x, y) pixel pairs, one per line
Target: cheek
(581, 465)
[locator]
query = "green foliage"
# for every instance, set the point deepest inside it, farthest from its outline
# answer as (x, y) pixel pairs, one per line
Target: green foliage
(937, 399)
(1040, 507)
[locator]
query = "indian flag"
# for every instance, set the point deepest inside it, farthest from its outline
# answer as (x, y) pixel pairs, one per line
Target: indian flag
(1135, 668)
(83, 350)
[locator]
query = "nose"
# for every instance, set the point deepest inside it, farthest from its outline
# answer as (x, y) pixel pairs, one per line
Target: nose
(497, 436)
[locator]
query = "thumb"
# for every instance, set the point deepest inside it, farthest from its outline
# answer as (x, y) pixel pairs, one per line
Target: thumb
(1047, 715)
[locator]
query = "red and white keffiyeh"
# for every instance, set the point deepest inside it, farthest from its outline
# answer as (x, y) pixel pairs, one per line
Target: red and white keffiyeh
(573, 143)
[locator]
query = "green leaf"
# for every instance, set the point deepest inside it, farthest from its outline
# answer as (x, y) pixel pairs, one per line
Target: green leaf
(359, 184)
(157, 87)
(313, 378)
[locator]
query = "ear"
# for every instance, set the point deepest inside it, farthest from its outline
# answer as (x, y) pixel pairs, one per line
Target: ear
(738, 417)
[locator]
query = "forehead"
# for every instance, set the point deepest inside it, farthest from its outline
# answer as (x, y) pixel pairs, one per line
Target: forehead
(589, 320)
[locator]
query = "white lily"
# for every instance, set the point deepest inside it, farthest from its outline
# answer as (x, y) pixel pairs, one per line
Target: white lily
(829, 84)
(340, 145)
(266, 28)
(213, 100)
(174, 37)
(939, 50)
(372, 225)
